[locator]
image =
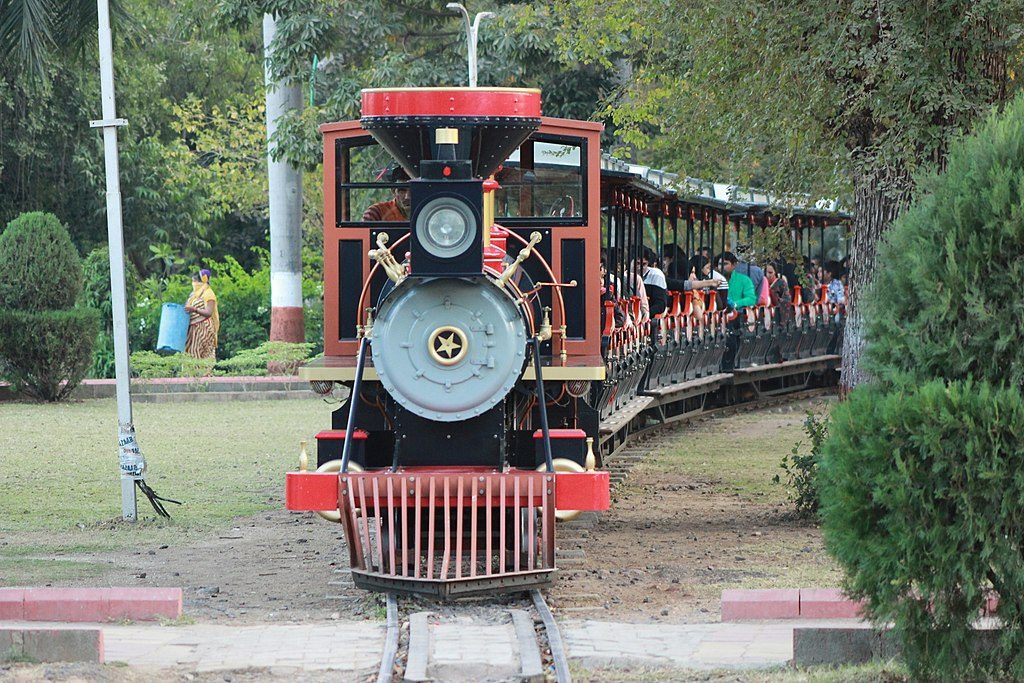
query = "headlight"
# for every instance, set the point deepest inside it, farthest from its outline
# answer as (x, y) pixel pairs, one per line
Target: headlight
(445, 227)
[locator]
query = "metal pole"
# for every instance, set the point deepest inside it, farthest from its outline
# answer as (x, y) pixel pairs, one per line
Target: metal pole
(472, 33)
(132, 463)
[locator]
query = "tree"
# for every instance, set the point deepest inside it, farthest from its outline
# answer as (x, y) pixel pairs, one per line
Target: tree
(847, 98)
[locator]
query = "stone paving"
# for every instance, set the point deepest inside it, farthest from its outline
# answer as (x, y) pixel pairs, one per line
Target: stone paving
(749, 645)
(342, 646)
(487, 648)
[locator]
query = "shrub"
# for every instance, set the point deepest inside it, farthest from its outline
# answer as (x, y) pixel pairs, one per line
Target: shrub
(151, 365)
(285, 357)
(40, 269)
(921, 480)
(947, 297)
(921, 503)
(96, 294)
(45, 354)
(801, 469)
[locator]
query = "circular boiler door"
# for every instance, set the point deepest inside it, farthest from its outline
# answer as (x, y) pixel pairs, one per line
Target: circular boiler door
(448, 349)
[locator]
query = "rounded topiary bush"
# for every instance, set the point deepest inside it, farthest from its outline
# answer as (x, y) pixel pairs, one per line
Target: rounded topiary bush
(45, 344)
(40, 269)
(948, 299)
(921, 502)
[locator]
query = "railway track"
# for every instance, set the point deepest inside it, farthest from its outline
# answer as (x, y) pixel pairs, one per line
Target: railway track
(514, 638)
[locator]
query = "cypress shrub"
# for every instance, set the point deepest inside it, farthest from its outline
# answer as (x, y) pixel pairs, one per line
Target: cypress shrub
(40, 269)
(922, 478)
(45, 344)
(45, 354)
(947, 300)
(921, 492)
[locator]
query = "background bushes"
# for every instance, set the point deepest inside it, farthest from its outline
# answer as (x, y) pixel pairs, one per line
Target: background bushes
(922, 479)
(45, 345)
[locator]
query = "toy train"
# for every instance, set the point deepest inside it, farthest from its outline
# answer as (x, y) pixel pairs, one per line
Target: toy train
(487, 377)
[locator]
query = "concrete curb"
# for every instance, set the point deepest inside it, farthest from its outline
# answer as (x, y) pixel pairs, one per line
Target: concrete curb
(788, 603)
(51, 644)
(89, 604)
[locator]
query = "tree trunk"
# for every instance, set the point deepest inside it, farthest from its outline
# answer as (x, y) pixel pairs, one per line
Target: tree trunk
(880, 196)
(285, 185)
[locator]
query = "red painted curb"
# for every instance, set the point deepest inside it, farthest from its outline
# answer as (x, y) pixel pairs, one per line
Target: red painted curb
(89, 604)
(788, 603)
(772, 603)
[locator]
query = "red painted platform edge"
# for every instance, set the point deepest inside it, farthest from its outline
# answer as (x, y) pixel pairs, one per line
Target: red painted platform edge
(89, 604)
(772, 603)
(311, 491)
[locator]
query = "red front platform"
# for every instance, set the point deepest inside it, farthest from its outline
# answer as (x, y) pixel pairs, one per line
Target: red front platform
(312, 491)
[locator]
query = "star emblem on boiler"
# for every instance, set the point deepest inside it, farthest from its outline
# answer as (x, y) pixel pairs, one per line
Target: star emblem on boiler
(447, 346)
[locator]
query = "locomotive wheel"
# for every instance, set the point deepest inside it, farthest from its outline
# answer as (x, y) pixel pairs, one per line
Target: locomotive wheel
(335, 466)
(564, 465)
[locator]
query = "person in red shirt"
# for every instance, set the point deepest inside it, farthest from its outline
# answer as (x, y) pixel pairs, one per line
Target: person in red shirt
(395, 209)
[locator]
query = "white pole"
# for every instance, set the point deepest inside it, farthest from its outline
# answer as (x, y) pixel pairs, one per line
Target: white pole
(132, 464)
(472, 32)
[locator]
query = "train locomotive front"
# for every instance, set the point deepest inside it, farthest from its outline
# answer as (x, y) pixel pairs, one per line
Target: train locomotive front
(427, 489)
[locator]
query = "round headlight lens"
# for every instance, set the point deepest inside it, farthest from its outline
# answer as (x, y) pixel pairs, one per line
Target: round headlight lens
(446, 227)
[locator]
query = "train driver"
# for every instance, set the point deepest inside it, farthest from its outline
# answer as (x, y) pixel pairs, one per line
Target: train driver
(395, 209)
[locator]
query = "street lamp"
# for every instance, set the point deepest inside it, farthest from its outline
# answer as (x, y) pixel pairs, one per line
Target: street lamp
(472, 32)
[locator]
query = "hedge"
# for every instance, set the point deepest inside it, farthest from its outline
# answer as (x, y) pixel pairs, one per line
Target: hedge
(40, 269)
(45, 354)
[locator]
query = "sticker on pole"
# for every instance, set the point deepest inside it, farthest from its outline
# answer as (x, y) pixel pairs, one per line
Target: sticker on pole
(133, 463)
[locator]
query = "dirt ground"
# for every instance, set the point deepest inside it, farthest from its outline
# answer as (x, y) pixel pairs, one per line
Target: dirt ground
(678, 533)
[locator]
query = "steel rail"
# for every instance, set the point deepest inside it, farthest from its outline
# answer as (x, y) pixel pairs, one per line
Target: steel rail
(561, 661)
(387, 662)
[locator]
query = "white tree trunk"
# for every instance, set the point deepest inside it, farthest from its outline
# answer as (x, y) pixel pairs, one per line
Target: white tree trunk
(286, 319)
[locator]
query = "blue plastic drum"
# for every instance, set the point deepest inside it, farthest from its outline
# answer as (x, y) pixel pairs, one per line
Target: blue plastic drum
(173, 329)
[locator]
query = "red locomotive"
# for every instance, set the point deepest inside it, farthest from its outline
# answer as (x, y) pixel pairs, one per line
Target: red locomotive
(487, 377)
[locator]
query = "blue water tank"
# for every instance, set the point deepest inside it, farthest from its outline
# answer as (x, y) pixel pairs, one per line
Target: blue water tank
(173, 329)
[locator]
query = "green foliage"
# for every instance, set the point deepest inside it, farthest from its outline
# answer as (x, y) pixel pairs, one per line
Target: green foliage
(921, 491)
(96, 294)
(801, 469)
(243, 303)
(151, 365)
(45, 354)
(39, 266)
(948, 301)
(921, 482)
(854, 89)
(282, 357)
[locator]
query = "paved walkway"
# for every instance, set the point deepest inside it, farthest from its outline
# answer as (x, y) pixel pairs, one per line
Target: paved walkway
(358, 646)
(341, 645)
(745, 645)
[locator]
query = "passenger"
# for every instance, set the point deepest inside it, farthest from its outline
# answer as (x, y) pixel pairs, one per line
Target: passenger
(395, 209)
(635, 287)
(836, 293)
(755, 274)
(778, 290)
(741, 287)
(654, 282)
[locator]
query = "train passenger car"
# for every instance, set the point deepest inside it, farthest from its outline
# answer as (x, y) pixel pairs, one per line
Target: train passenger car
(489, 369)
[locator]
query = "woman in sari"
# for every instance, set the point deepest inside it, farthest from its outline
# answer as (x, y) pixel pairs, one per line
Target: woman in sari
(204, 319)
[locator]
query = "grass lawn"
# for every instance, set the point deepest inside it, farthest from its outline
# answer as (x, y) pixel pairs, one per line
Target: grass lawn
(876, 672)
(740, 454)
(60, 490)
